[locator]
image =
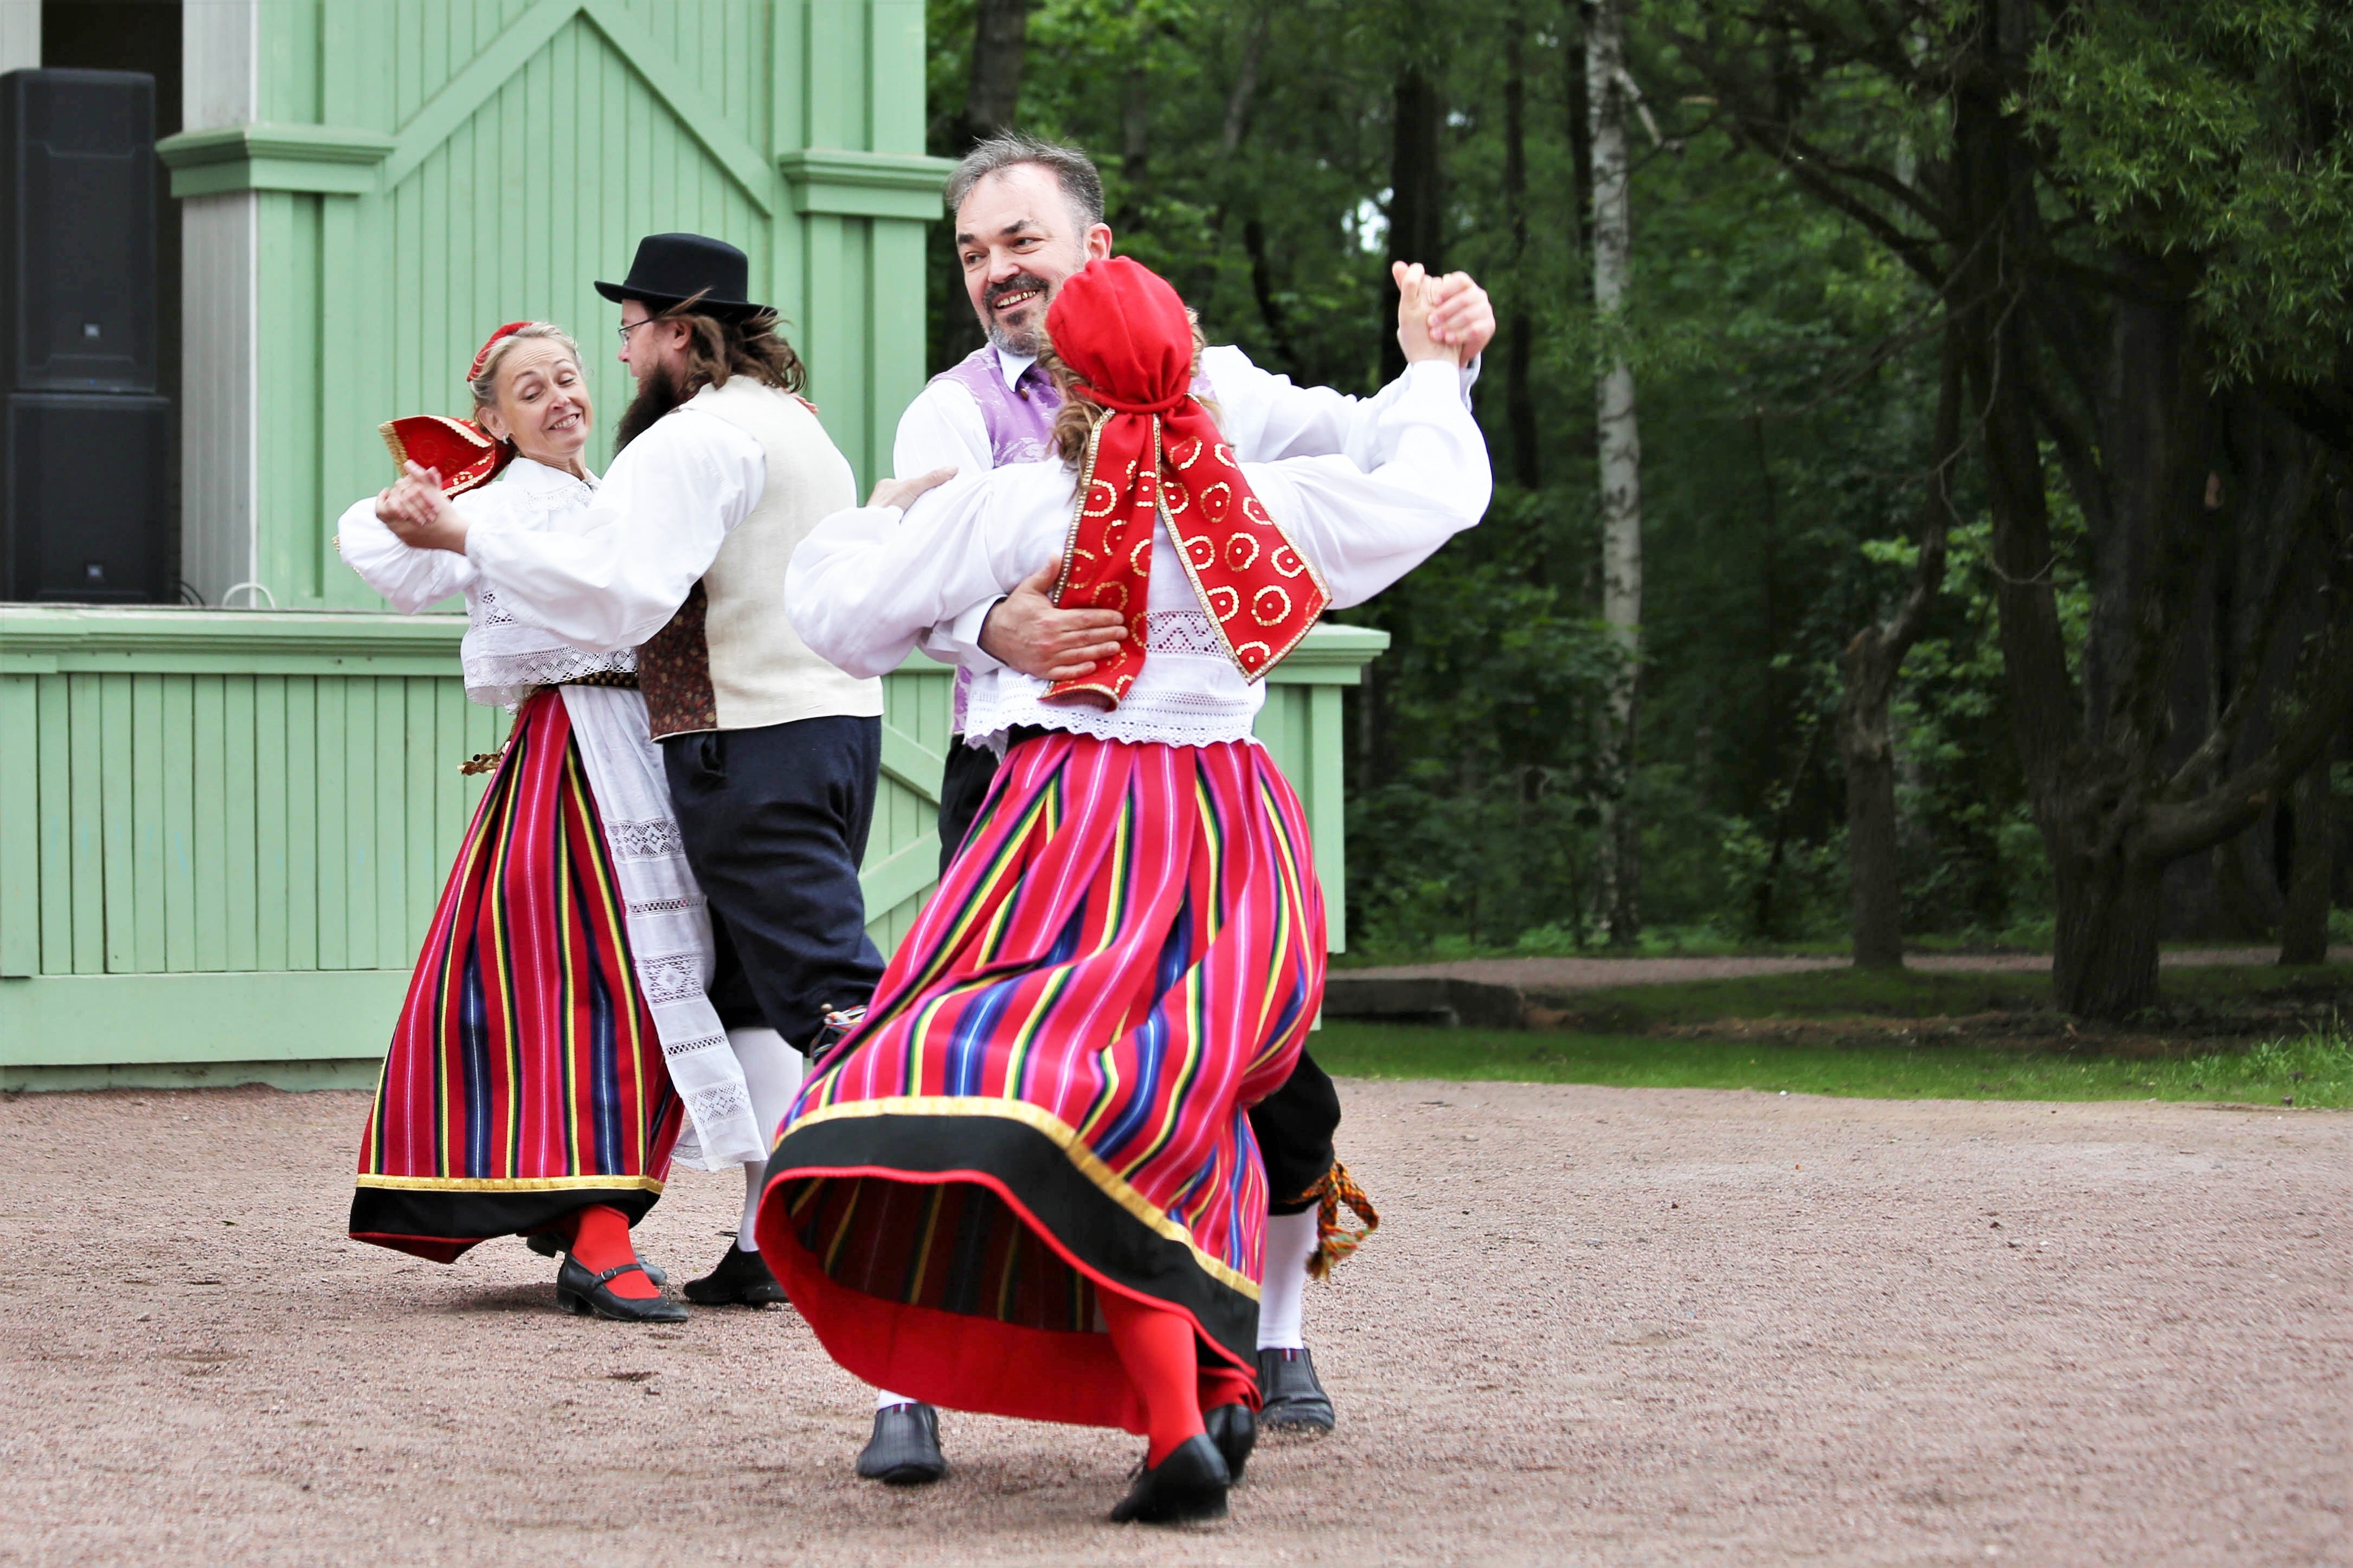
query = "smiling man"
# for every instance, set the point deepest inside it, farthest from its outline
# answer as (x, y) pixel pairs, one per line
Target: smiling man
(1029, 215)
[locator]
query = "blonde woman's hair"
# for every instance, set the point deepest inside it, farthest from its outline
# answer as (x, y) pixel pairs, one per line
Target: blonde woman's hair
(485, 386)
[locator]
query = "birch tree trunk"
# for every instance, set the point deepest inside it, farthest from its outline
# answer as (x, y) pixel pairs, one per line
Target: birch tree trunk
(1620, 452)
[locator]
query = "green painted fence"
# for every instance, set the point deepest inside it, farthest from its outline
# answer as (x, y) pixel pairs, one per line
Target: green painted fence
(222, 832)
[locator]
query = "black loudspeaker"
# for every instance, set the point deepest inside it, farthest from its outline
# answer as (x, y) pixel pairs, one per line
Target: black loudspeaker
(78, 231)
(88, 473)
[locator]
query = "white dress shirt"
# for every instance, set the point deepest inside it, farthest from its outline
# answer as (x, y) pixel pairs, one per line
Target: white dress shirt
(1266, 417)
(868, 583)
(667, 504)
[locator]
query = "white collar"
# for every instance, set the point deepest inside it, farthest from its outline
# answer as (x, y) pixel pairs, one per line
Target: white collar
(1012, 368)
(530, 474)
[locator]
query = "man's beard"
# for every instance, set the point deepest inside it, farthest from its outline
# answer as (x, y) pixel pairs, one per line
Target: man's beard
(658, 396)
(1019, 340)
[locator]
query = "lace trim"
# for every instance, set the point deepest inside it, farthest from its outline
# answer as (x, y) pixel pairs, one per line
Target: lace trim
(700, 1043)
(670, 979)
(1181, 631)
(1174, 714)
(662, 907)
(644, 841)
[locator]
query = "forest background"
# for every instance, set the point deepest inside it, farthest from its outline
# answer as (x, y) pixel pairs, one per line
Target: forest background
(1894, 265)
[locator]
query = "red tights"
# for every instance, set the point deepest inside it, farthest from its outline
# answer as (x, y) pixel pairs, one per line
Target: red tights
(599, 1236)
(1155, 1347)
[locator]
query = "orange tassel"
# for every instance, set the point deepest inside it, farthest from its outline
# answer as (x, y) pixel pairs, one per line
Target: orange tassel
(1335, 1241)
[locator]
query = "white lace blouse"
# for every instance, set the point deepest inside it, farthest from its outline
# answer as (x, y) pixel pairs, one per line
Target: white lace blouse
(867, 583)
(504, 656)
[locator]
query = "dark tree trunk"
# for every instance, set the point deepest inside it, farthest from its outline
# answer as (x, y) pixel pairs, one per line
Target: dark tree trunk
(1874, 867)
(1874, 864)
(1269, 308)
(1519, 400)
(2104, 965)
(1414, 208)
(992, 102)
(1001, 35)
(2303, 927)
(1578, 96)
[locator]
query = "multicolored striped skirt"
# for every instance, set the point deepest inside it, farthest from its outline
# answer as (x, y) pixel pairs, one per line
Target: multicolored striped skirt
(1048, 1097)
(525, 1079)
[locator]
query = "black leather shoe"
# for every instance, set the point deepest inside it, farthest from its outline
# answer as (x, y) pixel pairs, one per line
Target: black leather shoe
(1189, 1484)
(584, 1294)
(906, 1449)
(1290, 1397)
(547, 1245)
(1235, 1432)
(742, 1279)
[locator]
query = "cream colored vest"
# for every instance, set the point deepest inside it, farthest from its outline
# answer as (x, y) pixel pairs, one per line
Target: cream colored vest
(729, 659)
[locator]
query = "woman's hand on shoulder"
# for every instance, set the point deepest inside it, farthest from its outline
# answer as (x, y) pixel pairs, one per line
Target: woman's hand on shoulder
(902, 493)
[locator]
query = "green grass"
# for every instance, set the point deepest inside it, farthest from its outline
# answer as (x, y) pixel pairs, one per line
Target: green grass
(1911, 993)
(2315, 1067)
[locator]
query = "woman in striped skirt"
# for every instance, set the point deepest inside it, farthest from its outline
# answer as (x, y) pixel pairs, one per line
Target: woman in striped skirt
(557, 1049)
(1027, 1186)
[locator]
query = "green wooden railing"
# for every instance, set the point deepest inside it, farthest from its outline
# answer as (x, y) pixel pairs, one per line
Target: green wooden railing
(222, 832)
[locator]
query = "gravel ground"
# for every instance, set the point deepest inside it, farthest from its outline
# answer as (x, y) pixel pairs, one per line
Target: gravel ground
(1556, 973)
(1600, 1326)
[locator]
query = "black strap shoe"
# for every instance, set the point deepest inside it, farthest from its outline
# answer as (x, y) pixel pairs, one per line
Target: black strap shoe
(1189, 1484)
(584, 1294)
(742, 1279)
(547, 1245)
(906, 1449)
(1291, 1399)
(1235, 1432)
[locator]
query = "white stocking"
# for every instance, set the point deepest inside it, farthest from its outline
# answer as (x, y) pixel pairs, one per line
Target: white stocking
(772, 1071)
(1290, 1242)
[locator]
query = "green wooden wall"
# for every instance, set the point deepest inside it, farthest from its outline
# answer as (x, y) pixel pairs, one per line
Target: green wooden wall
(423, 170)
(222, 833)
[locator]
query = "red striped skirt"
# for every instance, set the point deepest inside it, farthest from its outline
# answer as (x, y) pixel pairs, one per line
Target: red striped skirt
(1047, 1098)
(524, 1078)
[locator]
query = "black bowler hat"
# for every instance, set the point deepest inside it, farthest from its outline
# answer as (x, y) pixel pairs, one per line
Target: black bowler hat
(672, 268)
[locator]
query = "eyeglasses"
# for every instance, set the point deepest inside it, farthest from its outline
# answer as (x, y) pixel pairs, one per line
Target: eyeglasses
(633, 326)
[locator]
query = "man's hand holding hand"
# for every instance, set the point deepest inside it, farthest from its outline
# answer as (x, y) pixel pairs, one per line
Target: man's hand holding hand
(1026, 631)
(1461, 316)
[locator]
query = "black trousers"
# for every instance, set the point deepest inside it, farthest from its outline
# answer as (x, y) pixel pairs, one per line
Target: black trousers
(970, 770)
(774, 822)
(1293, 1125)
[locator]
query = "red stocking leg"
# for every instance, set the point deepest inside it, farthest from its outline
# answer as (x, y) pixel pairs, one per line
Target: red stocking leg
(599, 1240)
(1155, 1347)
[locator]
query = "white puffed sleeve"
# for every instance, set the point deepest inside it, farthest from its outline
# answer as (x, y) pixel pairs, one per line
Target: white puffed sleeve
(410, 578)
(868, 583)
(1428, 479)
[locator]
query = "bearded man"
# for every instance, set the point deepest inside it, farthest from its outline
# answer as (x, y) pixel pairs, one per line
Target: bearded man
(770, 754)
(1029, 215)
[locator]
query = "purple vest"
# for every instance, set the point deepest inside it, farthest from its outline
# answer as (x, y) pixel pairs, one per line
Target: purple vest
(1020, 421)
(1020, 424)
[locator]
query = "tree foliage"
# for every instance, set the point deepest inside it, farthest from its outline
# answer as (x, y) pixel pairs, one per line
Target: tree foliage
(1801, 242)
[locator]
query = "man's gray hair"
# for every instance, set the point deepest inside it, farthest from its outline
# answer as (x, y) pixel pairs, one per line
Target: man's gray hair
(1072, 170)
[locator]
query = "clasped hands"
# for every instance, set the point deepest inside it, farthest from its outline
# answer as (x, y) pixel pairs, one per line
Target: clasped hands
(418, 511)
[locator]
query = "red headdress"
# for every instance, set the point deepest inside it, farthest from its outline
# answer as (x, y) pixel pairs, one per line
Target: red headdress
(1156, 455)
(468, 456)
